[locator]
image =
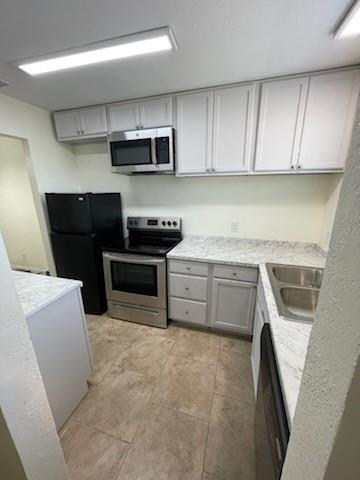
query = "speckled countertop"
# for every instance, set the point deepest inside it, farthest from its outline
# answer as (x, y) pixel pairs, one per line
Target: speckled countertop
(290, 338)
(37, 291)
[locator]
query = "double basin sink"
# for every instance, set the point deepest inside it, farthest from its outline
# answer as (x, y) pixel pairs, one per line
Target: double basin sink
(296, 290)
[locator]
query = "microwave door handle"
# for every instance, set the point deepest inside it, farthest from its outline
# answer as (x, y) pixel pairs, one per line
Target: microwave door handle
(137, 260)
(153, 151)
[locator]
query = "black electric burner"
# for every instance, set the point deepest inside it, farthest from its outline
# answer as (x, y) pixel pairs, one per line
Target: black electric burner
(153, 236)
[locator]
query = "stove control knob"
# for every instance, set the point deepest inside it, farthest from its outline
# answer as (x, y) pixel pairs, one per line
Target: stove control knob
(175, 224)
(169, 224)
(163, 223)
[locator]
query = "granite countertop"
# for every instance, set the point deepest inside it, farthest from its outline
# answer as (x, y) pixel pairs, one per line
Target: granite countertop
(290, 338)
(37, 291)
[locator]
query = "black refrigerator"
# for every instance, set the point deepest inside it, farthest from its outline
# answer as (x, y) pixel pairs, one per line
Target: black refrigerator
(81, 226)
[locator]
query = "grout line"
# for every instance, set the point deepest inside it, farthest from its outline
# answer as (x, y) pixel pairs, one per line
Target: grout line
(236, 399)
(203, 420)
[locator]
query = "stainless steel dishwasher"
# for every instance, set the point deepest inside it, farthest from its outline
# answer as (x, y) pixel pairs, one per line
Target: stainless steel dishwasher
(271, 425)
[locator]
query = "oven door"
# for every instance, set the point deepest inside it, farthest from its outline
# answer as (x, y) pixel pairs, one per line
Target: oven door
(135, 279)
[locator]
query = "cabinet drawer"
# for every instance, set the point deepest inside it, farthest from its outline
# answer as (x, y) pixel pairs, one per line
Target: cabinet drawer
(190, 268)
(187, 286)
(188, 311)
(245, 274)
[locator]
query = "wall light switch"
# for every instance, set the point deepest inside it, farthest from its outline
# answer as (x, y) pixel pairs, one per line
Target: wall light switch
(235, 227)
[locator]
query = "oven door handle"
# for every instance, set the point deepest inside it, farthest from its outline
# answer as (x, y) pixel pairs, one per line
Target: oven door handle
(136, 260)
(153, 151)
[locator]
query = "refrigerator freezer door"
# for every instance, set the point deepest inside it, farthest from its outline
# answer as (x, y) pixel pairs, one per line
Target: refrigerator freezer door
(69, 213)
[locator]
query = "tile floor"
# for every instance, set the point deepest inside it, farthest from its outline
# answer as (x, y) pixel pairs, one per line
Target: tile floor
(173, 404)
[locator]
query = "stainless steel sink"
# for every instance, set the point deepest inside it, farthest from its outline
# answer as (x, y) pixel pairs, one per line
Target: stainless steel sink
(296, 290)
(301, 276)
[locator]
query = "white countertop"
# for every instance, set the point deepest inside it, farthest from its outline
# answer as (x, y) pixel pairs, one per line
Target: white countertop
(290, 338)
(37, 291)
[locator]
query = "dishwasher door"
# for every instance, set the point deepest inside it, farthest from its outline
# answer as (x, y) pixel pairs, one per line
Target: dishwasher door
(271, 426)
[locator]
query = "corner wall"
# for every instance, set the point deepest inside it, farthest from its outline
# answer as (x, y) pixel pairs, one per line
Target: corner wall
(328, 404)
(51, 165)
(23, 400)
(18, 217)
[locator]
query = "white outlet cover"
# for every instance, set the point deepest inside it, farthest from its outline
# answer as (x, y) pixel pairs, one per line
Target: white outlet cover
(235, 227)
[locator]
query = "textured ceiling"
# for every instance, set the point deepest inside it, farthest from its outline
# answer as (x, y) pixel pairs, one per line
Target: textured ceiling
(220, 41)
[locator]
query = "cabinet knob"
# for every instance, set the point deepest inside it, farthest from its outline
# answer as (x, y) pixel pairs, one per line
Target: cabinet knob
(234, 274)
(188, 269)
(213, 169)
(187, 289)
(292, 166)
(299, 166)
(78, 132)
(186, 312)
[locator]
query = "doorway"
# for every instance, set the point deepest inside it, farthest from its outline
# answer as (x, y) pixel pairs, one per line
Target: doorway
(19, 220)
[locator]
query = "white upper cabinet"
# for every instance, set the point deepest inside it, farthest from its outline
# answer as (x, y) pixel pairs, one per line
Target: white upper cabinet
(281, 115)
(93, 121)
(124, 116)
(329, 118)
(156, 112)
(194, 122)
(234, 118)
(67, 124)
(74, 124)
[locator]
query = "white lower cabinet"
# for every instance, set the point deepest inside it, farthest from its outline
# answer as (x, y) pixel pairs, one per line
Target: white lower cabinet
(216, 296)
(232, 306)
(259, 320)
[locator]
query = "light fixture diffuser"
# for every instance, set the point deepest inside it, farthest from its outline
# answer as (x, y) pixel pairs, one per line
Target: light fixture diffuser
(115, 49)
(350, 25)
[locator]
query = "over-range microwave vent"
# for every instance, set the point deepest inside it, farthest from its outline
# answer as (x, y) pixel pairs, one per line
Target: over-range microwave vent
(3, 84)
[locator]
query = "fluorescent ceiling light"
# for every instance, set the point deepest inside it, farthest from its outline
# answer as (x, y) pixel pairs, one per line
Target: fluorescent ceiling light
(115, 49)
(350, 26)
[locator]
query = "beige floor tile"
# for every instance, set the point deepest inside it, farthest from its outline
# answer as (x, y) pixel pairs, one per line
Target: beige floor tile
(147, 355)
(233, 377)
(168, 446)
(104, 352)
(236, 345)
(91, 455)
(187, 386)
(207, 476)
(230, 446)
(117, 404)
(197, 345)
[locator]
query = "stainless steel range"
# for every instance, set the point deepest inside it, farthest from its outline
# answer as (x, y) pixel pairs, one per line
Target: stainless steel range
(135, 272)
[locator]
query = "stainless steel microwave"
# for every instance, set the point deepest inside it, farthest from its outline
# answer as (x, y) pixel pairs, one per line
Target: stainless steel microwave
(142, 151)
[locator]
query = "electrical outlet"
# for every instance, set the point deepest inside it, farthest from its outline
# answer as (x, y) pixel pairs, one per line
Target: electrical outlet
(235, 227)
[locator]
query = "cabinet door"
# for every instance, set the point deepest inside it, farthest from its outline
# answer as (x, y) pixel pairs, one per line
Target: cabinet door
(281, 115)
(124, 116)
(67, 124)
(93, 121)
(233, 305)
(329, 118)
(194, 132)
(234, 114)
(255, 347)
(156, 112)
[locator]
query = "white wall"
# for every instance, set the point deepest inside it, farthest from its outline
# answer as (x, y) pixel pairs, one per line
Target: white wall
(18, 218)
(23, 398)
(328, 405)
(51, 165)
(281, 207)
(330, 210)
